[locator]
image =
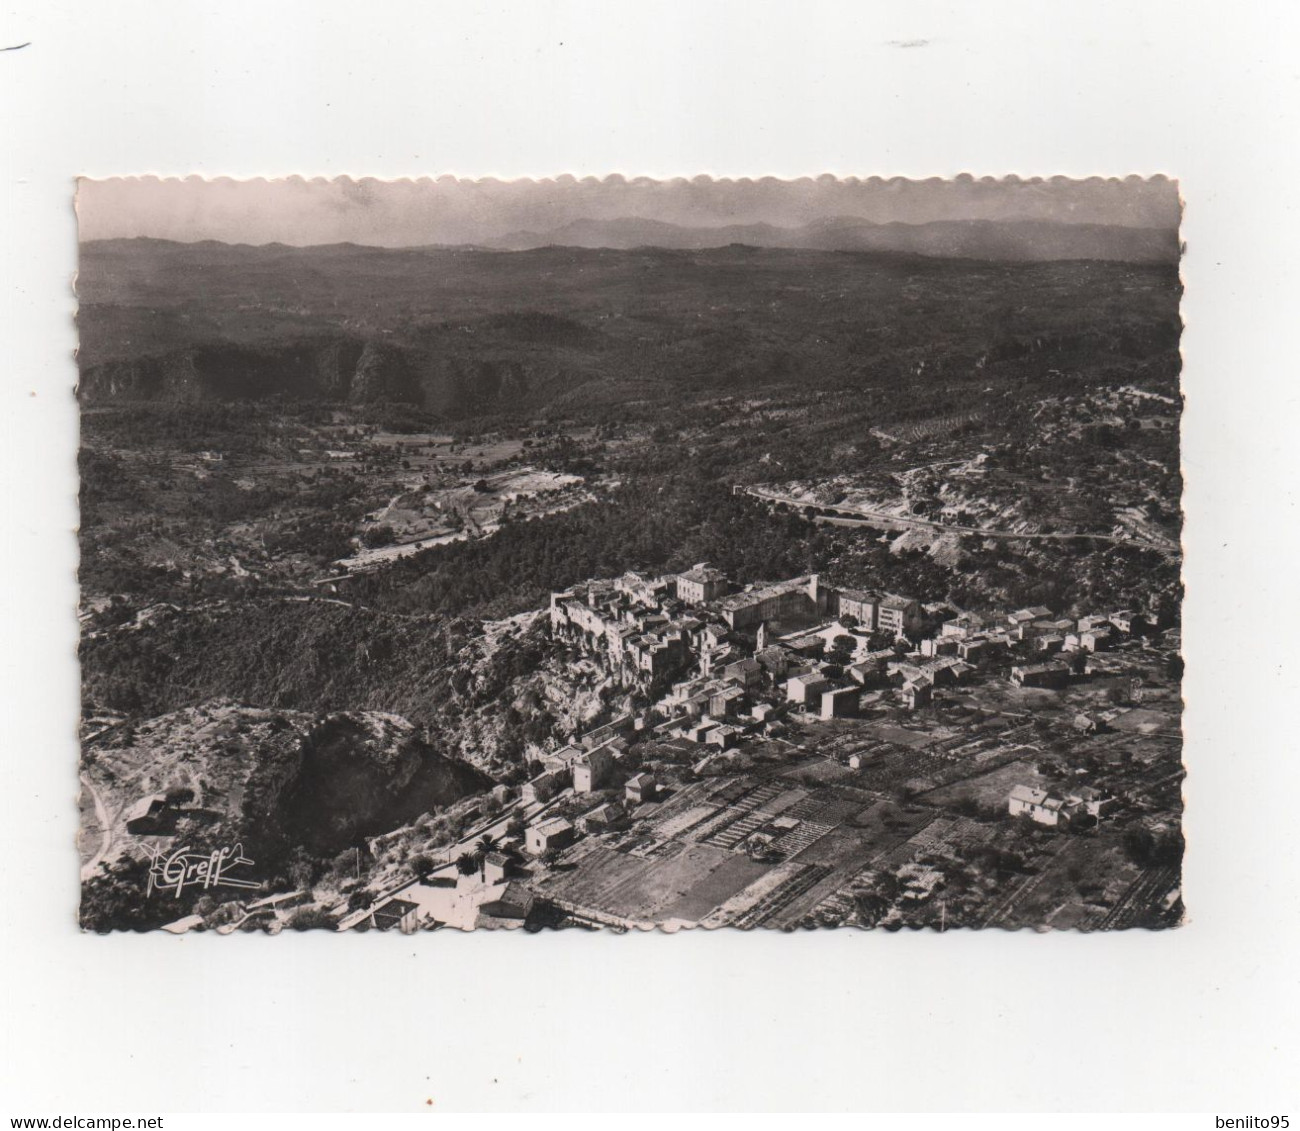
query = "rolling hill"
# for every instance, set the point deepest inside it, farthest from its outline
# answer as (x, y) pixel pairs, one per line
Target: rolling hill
(1000, 241)
(464, 333)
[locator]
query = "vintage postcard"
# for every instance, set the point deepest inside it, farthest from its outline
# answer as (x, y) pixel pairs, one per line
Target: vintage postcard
(630, 554)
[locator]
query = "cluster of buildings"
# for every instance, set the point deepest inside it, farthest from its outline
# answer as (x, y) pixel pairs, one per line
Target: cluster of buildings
(558, 832)
(652, 628)
(631, 622)
(1062, 809)
(1047, 648)
(720, 663)
(589, 766)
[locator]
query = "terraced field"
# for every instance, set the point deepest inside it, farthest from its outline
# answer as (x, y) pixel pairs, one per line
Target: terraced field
(687, 885)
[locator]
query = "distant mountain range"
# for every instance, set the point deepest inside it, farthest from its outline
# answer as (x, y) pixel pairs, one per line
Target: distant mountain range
(1014, 241)
(1004, 240)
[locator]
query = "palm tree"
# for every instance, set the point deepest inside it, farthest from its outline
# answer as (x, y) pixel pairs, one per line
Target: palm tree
(466, 865)
(485, 845)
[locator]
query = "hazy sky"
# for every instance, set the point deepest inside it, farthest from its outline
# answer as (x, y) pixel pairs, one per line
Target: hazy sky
(411, 213)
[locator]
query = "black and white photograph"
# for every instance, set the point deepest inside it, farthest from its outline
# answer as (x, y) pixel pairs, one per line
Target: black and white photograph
(619, 554)
(577, 558)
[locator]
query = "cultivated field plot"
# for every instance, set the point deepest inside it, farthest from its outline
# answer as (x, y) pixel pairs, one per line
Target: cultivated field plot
(899, 768)
(1144, 720)
(1076, 882)
(832, 861)
(935, 426)
(737, 802)
(744, 907)
(959, 834)
(999, 695)
(821, 771)
(839, 848)
(430, 449)
(707, 891)
(773, 909)
(1145, 903)
(829, 807)
(687, 805)
(781, 802)
(989, 789)
(887, 822)
(898, 736)
(1149, 775)
(686, 886)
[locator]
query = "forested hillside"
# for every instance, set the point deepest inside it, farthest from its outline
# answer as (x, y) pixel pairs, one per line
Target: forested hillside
(466, 333)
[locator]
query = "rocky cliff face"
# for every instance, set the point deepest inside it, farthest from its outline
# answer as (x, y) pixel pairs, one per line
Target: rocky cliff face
(383, 373)
(331, 369)
(323, 370)
(279, 782)
(365, 774)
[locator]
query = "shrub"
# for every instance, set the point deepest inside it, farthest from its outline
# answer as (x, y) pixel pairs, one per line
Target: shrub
(310, 919)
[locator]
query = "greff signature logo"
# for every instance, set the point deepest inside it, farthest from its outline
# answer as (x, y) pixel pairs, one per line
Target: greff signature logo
(184, 868)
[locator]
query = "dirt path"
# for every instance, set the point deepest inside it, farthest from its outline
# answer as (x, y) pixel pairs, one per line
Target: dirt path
(105, 827)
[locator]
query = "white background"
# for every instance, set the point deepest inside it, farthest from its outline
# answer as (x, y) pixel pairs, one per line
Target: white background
(1199, 1019)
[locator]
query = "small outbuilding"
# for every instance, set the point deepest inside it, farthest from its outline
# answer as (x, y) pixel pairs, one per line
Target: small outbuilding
(640, 788)
(555, 833)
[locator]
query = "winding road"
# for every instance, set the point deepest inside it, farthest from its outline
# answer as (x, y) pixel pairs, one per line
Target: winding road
(860, 516)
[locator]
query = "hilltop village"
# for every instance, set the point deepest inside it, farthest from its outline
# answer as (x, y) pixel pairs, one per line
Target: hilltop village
(363, 607)
(725, 668)
(818, 755)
